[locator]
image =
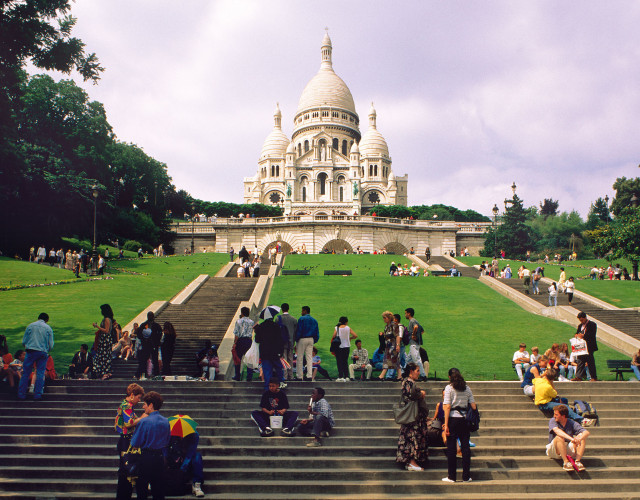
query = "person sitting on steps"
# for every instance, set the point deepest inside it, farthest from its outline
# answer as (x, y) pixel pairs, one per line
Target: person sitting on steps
(566, 438)
(320, 420)
(274, 402)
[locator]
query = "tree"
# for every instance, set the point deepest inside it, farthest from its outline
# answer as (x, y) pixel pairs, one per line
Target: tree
(625, 189)
(599, 214)
(557, 232)
(620, 238)
(513, 235)
(549, 207)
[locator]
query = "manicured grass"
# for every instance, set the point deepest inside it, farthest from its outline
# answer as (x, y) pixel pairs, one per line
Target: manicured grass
(360, 265)
(467, 324)
(619, 293)
(74, 307)
(20, 272)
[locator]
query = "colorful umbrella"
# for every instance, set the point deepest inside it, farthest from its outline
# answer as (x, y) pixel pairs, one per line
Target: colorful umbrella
(269, 312)
(182, 425)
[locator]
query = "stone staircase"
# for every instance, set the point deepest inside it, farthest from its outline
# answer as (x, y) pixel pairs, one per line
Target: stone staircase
(465, 272)
(205, 316)
(625, 320)
(64, 446)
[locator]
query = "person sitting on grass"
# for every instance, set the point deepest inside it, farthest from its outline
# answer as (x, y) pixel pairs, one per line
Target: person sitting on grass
(81, 365)
(320, 420)
(566, 438)
(274, 402)
(546, 397)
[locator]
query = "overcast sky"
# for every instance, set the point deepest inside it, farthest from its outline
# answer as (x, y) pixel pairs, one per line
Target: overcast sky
(471, 96)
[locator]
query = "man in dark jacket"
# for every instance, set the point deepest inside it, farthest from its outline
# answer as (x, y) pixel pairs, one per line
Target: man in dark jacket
(269, 337)
(589, 329)
(150, 334)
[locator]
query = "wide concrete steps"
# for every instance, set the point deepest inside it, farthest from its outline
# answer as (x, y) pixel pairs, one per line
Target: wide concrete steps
(64, 446)
(204, 317)
(465, 272)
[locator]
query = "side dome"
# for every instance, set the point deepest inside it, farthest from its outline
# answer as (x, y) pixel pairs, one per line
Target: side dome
(372, 142)
(276, 143)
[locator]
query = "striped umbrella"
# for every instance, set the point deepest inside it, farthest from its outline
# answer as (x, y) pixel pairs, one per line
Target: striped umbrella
(182, 425)
(269, 312)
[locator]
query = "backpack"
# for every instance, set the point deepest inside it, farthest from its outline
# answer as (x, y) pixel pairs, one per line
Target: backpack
(585, 409)
(406, 335)
(473, 419)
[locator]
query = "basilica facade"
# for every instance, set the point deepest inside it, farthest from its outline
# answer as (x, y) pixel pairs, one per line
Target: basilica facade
(327, 167)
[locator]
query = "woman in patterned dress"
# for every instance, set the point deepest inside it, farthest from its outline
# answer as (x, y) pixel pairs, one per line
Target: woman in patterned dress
(413, 446)
(104, 344)
(391, 346)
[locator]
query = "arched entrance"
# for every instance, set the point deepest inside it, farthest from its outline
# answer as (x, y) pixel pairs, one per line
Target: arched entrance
(396, 248)
(285, 248)
(337, 246)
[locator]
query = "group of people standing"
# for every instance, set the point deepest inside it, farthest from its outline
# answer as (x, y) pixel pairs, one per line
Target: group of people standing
(449, 426)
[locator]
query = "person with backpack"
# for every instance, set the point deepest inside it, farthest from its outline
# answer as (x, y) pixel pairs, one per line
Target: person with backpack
(413, 338)
(458, 398)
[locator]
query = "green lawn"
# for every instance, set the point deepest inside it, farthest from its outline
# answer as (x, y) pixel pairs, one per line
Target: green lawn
(19, 272)
(468, 325)
(618, 293)
(74, 307)
(360, 265)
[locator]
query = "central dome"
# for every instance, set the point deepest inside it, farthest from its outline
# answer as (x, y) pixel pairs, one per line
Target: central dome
(326, 88)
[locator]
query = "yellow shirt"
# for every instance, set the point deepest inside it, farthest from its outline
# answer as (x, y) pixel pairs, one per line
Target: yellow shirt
(544, 391)
(563, 277)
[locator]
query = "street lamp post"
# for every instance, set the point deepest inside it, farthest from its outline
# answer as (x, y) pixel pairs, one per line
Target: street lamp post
(193, 219)
(634, 263)
(495, 211)
(94, 253)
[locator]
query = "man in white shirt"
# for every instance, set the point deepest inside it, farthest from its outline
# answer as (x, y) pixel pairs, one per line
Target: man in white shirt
(521, 361)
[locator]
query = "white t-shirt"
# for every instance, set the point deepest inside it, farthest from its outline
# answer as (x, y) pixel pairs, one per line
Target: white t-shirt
(552, 291)
(570, 286)
(517, 355)
(534, 359)
(343, 333)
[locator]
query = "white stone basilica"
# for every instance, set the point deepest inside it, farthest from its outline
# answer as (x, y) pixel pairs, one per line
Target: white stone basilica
(327, 167)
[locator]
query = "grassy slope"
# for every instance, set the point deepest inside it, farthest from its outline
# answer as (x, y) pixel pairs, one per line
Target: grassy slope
(74, 307)
(360, 265)
(468, 325)
(618, 293)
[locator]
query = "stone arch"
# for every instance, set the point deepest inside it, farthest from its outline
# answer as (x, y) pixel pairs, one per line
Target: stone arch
(395, 247)
(369, 195)
(337, 245)
(285, 248)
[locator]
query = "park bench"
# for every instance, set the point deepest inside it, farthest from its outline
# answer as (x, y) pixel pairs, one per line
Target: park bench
(443, 273)
(619, 366)
(337, 272)
(295, 272)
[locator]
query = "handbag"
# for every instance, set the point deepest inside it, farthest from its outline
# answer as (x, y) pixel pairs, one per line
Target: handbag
(405, 413)
(131, 461)
(335, 343)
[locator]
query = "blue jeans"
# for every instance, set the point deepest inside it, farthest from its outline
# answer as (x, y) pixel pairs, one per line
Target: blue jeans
(267, 371)
(39, 359)
(554, 299)
(551, 405)
(636, 370)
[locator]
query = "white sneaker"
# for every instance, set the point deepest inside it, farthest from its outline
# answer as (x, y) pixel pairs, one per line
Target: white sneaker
(197, 490)
(339, 380)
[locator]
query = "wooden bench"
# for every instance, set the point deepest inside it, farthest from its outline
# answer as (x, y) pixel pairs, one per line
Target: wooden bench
(619, 366)
(296, 272)
(337, 272)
